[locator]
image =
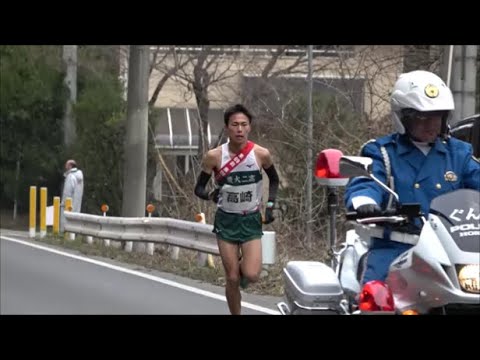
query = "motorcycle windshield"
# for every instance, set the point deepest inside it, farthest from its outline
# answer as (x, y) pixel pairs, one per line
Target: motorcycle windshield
(460, 214)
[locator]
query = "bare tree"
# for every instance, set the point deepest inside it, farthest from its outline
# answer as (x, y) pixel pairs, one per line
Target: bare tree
(210, 66)
(167, 62)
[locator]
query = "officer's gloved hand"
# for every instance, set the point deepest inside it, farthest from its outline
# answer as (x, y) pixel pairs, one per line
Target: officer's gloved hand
(369, 210)
(269, 214)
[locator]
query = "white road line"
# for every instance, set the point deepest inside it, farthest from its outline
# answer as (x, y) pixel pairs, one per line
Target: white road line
(143, 275)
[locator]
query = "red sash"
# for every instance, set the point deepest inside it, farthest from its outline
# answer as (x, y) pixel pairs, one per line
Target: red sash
(237, 159)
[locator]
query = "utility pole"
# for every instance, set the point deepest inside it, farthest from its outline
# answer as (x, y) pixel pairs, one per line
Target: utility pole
(469, 80)
(447, 63)
(70, 59)
(135, 166)
(308, 201)
(464, 70)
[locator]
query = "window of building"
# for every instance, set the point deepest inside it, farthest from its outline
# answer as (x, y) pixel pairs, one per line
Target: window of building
(277, 92)
(176, 129)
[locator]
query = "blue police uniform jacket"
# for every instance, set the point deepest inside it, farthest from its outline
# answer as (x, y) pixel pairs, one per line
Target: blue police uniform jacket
(418, 178)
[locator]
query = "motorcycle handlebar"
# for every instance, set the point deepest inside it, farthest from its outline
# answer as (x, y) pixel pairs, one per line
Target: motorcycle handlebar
(352, 215)
(407, 210)
(383, 219)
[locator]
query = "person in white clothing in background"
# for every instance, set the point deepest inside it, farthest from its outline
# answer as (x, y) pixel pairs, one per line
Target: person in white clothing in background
(72, 188)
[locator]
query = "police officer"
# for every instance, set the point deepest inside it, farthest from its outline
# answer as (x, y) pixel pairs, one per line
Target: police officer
(422, 160)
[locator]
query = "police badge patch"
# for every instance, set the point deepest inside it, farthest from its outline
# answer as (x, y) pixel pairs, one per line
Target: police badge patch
(450, 176)
(431, 91)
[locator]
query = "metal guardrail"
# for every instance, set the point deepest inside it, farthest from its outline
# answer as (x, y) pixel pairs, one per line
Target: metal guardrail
(181, 233)
(196, 236)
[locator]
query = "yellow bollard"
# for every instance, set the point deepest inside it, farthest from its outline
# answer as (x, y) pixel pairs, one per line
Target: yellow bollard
(33, 211)
(68, 204)
(56, 215)
(68, 207)
(43, 212)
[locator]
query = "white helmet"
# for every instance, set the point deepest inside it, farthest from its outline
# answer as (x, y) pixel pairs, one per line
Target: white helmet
(420, 91)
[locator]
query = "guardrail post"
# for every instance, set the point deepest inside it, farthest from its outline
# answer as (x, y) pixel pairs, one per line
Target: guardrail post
(202, 258)
(89, 239)
(33, 211)
(174, 252)
(150, 245)
(104, 209)
(268, 248)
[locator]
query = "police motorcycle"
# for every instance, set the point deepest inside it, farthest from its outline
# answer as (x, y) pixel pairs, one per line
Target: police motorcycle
(438, 275)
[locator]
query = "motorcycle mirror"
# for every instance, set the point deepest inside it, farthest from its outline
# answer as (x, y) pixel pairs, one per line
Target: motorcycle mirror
(352, 166)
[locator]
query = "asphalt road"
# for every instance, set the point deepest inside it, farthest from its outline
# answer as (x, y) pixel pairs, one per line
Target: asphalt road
(36, 279)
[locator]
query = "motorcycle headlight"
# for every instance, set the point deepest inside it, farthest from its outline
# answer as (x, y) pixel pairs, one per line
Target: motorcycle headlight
(469, 278)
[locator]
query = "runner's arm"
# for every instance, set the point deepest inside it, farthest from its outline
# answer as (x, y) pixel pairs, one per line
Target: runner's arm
(272, 174)
(274, 181)
(208, 164)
